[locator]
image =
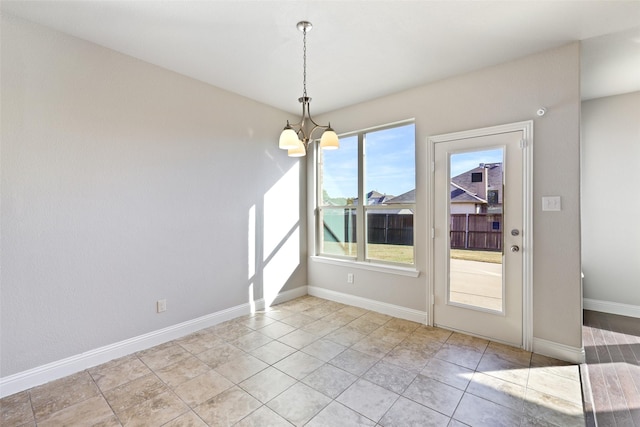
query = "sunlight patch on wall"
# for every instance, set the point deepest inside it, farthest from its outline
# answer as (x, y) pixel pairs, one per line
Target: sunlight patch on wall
(280, 267)
(281, 210)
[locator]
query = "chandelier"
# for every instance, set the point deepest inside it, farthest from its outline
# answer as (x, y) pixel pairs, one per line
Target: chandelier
(295, 138)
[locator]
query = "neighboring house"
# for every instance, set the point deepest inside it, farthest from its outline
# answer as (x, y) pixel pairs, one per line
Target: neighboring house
(478, 190)
(374, 198)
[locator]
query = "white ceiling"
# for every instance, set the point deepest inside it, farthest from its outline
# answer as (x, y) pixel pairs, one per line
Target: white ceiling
(357, 50)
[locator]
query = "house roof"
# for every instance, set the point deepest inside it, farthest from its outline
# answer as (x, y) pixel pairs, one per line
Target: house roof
(495, 176)
(408, 197)
(460, 195)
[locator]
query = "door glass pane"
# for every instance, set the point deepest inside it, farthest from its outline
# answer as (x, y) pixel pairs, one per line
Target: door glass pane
(475, 229)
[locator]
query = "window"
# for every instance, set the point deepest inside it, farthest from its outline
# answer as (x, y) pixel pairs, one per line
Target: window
(366, 202)
(476, 176)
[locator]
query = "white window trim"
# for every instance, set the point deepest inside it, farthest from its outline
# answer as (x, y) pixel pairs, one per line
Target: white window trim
(395, 269)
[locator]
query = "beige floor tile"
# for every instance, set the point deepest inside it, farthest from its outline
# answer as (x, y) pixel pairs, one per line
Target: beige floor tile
(402, 325)
(154, 412)
(459, 339)
(324, 350)
(368, 399)
(199, 341)
(389, 376)
(277, 313)
(86, 412)
(448, 373)
(188, 419)
(227, 408)
(497, 366)
(251, 341)
(354, 361)
(363, 325)
(377, 318)
(178, 373)
(498, 391)
(241, 367)
(345, 336)
(202, 388)
(406, 412)
(353, 311)
(320, 311)
(16, 410)
(219, 355)
(408, 358)
(118, 372)
(277, 329)
(388, 334)
(273, 352)
(59, 394)
(165, 355)
(134, 392)
(298, 320)
(434, 394)
(263, 417)
(299, 404)
(462, 355)
(232, 331)
(551, 409)
(298, 365)
(298, 339)
(373, 347)
(475, 411)
(336, 414)
(320, 328)
(339, 318)
(510, 354)
(329, 380)
(257, 321)
(433, 333)
(267, 384)
(542, 380)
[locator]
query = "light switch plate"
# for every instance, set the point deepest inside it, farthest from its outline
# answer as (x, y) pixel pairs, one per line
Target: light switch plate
(551, 203)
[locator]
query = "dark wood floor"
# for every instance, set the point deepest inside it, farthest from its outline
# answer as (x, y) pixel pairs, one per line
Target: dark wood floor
(612, 348)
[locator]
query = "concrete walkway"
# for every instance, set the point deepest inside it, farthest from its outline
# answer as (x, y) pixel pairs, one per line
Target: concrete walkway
(476, 283)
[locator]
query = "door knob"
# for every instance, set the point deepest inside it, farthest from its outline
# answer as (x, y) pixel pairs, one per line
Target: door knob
(515, 248)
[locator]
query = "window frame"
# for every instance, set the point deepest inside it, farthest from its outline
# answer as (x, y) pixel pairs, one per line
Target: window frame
(362, 258)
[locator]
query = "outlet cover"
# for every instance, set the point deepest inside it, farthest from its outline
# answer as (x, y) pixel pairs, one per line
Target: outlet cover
(161, 305)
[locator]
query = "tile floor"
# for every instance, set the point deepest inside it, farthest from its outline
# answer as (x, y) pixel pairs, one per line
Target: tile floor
(312, 362)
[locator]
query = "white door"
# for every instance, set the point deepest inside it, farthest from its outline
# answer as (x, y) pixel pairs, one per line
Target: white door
(479, 233)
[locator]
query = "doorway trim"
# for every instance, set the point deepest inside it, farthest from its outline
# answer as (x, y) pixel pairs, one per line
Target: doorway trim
(526, 145)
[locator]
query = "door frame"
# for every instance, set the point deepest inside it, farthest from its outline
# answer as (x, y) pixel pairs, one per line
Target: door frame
(526, 144)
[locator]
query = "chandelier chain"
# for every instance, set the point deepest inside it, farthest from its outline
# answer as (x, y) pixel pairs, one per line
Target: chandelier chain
(304, 62)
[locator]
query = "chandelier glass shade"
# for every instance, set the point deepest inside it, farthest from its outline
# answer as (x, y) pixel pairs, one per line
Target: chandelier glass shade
(294, 137)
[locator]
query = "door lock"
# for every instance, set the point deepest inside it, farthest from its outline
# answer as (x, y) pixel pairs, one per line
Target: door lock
(515, 232)
(515, 248)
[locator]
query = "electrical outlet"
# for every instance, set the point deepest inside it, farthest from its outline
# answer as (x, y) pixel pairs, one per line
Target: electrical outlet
(161, 305)
(349, 277)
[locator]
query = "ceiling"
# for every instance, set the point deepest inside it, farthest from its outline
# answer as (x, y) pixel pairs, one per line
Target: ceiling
(357, 50)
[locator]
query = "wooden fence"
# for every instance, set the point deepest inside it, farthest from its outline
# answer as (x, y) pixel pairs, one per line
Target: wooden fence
(476, 231)
(390, 229)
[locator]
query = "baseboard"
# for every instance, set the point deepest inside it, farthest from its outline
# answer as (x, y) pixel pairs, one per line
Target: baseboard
(611, 307)
(558, 351)
(369, 304)
(70, 365)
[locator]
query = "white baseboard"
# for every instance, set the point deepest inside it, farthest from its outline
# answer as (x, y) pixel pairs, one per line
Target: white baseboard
(369, 304)
(558, 351)
(70, 365)
(611, 307)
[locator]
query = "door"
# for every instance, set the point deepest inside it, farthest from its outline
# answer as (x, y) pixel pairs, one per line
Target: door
(478, 234)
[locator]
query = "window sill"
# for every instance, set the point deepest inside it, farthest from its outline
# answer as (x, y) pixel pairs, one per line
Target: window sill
(381, 268)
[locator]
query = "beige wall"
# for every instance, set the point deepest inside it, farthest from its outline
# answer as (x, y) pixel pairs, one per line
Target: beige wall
(610, 203)
(506, 93)
(123, 183)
